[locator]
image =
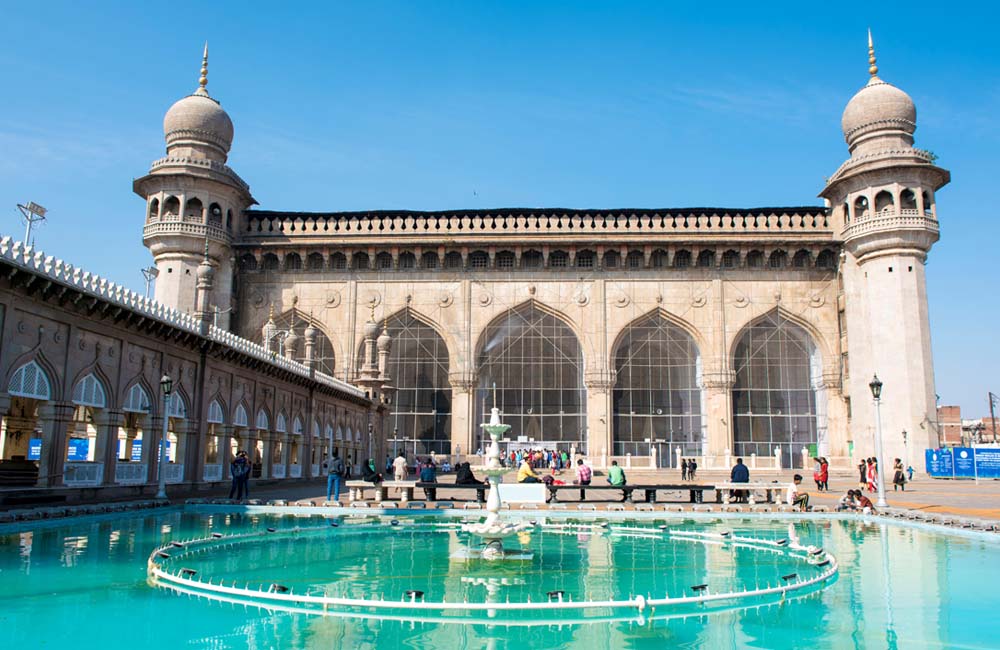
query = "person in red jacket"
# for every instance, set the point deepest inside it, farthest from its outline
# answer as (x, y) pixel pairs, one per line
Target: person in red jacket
(822, 475)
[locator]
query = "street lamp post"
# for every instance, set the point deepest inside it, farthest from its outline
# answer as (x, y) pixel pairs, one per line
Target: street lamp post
(150, 274)
(876, 387)
(167, 384)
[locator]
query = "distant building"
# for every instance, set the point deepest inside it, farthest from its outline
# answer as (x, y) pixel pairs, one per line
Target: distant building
(950, 422)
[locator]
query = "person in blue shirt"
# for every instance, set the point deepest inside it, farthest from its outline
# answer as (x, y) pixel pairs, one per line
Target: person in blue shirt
(239, 469)
(740, 474)
(428, 474)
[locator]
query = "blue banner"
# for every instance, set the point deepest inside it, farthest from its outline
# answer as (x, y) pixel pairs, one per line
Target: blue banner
(78, 449)
(34, 448)
(963, 462)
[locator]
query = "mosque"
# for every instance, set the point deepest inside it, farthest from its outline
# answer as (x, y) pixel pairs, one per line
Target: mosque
(615, 333)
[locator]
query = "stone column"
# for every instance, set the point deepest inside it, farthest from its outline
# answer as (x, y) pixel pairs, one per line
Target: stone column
(286, 453)
(267, 438)
(55, 418)
(718, 411)
(151, 434)
(108, 422)
(599, 386)
(463, 405)
(837, 433)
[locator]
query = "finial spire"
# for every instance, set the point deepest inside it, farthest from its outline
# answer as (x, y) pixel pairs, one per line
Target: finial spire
(872, 68)
(203, 80)
(373, 311)
(270, 313)
(206, 248)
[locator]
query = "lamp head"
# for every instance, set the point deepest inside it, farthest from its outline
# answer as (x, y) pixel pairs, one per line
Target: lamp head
(876, 385)
(167, 384)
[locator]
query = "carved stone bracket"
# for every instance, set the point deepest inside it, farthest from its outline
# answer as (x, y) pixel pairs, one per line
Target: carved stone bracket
(718, 380)
(462, 382)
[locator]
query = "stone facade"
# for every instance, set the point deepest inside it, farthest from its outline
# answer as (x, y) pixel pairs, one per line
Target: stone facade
(785, 313)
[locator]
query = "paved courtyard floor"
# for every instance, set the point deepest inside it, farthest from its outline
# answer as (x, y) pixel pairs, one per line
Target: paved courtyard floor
(958, 497)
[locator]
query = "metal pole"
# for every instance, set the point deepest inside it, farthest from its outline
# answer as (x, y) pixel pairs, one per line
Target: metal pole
(878, 449)
(161, 470)
(992, 398)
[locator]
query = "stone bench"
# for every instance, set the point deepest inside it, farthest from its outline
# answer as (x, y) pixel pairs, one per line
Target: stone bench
(724, 491)
(696, 492)
(430, 489)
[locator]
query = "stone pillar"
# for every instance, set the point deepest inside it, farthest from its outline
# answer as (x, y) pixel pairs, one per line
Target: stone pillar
(463, 404)
(599, 430)
(55, 418)
(267, 457)
(718, 411)
(837, 433)
(108, 422)
(151, 435)
(286, 453)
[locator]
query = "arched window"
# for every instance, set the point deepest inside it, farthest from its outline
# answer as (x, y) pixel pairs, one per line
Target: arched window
(31, 381)
(340, 433)
(360, 261)
(297, 429)
(658, 259)
(612, 259)
(240, 418)
(506, 259)
(634, 260)
(755, 259)
(418, 364)
(193, 210)
(706, 259)
(479, 260)
(89, 391)
(778, 260)
(171, 208)
(262, 421)
(215, 413)
(429, 260)
(315, 429)
(774, 398)
(536, 362)
(176, 406)
(314, 262)
(558, 259)
(280, 424)
(154, 209)
(802, 259)
(137, 401)
(248, 262)
(453, 260)
(908, 200)
(682, 259)
(293, 262)
(928, 205)
(827, 259)
(585, 259)
(383, 261)
(531, 259)
(407, 260)
(338, 261)
(861, 207)
(269, 262)
(215, 214)
(657, 395)
(229, 219)
(847, 212)
(730, 259)
(884, 201)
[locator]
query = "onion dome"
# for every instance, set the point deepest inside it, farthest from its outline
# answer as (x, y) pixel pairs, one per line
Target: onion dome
(198, 119)
(877, 108)
(384, 341)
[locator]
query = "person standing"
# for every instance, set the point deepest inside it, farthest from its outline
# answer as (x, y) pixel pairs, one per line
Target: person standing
(862, 473)
(898, 477)
(399, 467)
(822, 474)
(583, 477)
(692, 467)
(239, 469)
(684, 469)
(428, 474)
(335, 470)
(740, 474)
(873, 477)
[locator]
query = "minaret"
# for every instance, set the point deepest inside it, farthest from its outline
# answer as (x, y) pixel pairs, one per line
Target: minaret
(883, 204)
(192, 195)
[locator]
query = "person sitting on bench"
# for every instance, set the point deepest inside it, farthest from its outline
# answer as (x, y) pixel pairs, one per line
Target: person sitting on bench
(616, 477)
(525, 473)
(794, 497)
(464, 476)
(369, 474)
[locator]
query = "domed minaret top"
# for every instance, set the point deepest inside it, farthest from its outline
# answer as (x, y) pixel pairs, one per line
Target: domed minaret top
(880, 116)
(196, 125)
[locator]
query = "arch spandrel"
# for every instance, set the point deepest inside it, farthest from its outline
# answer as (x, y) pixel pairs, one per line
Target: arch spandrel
(828, 357)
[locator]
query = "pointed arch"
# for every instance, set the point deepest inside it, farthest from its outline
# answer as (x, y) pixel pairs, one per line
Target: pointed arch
(315, 429)
(216, 412)
(177, 404)
(30, 380)
(240, 417)
(297, 428)
(534, 355)
(263, 421)
(778, 398)
(137, 398)
(89, 391)
(281, 423)
(657, 396)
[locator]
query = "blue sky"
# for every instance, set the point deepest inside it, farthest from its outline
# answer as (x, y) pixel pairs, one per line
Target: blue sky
(437, 105)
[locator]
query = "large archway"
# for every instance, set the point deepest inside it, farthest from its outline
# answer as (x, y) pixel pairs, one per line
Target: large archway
(777, 366)
(657, 398)
(323, 352)
(536, 362)
(418, 362)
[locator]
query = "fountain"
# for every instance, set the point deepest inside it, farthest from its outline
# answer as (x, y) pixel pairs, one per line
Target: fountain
(494, 528)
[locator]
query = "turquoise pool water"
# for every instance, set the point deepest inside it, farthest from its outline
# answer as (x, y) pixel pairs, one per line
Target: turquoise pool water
(83, 585)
